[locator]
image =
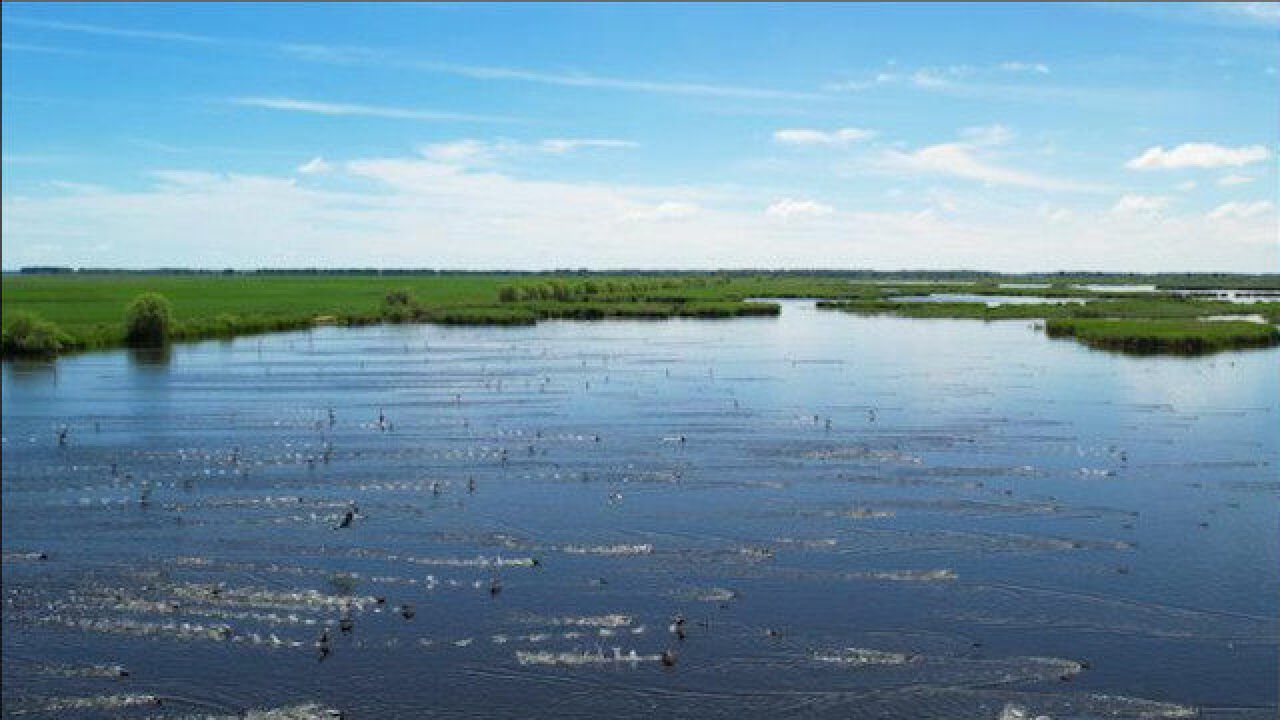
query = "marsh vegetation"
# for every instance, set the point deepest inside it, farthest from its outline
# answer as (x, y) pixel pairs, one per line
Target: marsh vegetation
(54, 314)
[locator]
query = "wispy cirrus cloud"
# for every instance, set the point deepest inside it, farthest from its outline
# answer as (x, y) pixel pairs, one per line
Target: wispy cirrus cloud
(367, 56)
(42, 49)
(113, 31)
(1017, 81)
(354, 109)
(347, 55)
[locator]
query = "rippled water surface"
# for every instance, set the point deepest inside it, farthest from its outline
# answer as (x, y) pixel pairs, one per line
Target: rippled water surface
(814, 515)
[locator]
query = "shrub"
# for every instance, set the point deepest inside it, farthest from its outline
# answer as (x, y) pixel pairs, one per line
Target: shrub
(507, 293)
(26, 334)
(148, 320)
(400, 306)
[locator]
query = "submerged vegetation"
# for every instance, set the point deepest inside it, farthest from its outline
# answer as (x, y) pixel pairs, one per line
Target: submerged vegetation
(49, 314)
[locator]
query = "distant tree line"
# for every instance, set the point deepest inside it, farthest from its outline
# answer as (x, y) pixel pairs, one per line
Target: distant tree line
(1187, 279)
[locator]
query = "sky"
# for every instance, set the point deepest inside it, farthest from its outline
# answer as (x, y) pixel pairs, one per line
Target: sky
(995, 137)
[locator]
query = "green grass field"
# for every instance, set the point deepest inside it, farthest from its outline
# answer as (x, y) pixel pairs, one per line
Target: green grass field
(87, 311)
(50, 314)
(1103, 307)
(1190, 337)
(1154, 324)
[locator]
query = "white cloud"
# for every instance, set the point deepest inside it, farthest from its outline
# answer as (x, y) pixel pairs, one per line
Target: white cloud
(1198, 155)
(1140, 205)
(788, 208)
(565, 145)
(464, 152)
(470, 151)
(411, 211)
(1241, 210)
(1018, 66)
(1186, 185)
(315, 166)
(962, 160)
(929, 78)
(663, 211)
(811, 137)
(1229, 180)
(350, 109)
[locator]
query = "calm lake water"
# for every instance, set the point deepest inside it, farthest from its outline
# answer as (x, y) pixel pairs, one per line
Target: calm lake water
(855, 517)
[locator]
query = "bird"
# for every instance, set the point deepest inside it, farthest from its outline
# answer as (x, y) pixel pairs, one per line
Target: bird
(677, 626)
(348, 517)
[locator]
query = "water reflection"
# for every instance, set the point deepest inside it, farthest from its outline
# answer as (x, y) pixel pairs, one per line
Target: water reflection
(31, 371)
(150, 359)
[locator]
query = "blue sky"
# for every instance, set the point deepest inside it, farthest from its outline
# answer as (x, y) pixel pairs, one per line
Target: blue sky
(1006, 137)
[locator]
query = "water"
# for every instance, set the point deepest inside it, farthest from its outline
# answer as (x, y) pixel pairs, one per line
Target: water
(990, 300)
(1247, 297)
(993, 521)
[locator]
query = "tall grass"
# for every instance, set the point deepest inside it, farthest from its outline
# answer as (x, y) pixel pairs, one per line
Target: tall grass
(1189, 337)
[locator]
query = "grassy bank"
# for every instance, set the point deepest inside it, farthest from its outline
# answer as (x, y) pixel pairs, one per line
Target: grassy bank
(1189, 337)
(48, 315)
(1167, 324)
(52, 314)
(1150, 308)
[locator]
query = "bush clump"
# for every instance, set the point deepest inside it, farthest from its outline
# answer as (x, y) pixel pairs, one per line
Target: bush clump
(26, 334)
(148, 320)
(400, 306)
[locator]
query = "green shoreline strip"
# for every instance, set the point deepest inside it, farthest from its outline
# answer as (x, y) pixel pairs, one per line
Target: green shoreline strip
(48, 315)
